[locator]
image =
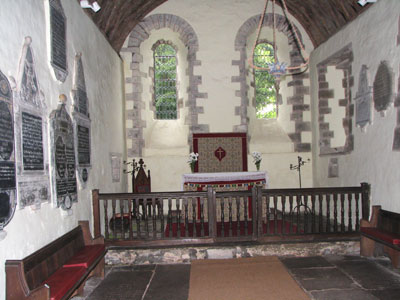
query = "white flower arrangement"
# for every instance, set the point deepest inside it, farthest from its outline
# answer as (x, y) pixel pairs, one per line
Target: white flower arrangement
(193, 157)
(257, 159)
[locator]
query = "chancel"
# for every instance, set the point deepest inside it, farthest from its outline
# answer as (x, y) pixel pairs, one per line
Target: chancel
(271, 129)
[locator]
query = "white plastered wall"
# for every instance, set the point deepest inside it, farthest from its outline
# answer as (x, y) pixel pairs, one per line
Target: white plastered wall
(216, 24)
(29, 230)
(373, 36)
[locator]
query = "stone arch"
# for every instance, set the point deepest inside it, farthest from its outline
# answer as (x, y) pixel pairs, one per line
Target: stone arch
(140, 33)
(300, 90)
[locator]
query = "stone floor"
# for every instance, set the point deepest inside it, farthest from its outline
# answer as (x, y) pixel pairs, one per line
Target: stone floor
(323, 278)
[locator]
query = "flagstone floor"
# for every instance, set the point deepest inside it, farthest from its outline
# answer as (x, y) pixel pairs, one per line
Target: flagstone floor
(323, 278)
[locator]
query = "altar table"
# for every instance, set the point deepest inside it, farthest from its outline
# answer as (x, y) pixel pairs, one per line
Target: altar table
(230, 181)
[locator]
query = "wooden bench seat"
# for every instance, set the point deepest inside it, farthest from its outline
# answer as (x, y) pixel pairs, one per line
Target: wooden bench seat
(59, 270)
(383, 229)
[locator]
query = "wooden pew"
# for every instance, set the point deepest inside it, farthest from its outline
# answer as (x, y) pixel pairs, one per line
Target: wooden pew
(384, 229)
(59, 270)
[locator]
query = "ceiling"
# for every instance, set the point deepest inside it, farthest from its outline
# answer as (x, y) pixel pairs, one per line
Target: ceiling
(320, 18)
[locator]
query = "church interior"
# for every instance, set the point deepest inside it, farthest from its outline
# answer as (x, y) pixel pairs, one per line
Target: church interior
(174, 132)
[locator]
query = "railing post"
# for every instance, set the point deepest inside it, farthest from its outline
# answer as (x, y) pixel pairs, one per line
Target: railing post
(365, 198)
(212, 222)
(96, 213)
(254, 199)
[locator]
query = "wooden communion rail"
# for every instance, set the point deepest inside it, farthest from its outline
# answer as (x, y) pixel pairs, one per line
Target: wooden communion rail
(261, 215)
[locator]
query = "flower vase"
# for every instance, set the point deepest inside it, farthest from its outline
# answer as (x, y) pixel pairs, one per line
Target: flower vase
(258, 165)
(192, 166)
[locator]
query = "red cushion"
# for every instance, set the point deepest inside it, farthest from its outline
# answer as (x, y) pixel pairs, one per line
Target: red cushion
(386, 236)
(63, 280)
(86, 257)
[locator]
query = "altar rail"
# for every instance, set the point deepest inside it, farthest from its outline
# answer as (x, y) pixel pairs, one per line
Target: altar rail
(183, 218)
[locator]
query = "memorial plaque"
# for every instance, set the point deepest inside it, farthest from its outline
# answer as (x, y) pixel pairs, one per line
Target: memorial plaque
(383, 87)
(7, 157)
(6, 131)
(32, 142)
(5, 207)
(82, 101)
(58, 45)
(83, 145)
(64, 157)
(58, 39)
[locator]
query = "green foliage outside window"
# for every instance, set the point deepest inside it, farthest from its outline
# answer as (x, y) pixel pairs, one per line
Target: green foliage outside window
(165, 82)
(265, 91)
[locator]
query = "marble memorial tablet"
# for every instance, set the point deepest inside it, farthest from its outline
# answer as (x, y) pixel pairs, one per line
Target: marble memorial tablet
(32, 145)
(58, 40)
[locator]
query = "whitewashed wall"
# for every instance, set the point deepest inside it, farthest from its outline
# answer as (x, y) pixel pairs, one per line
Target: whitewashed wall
(216, 24)
(29, 230)
(373, 36)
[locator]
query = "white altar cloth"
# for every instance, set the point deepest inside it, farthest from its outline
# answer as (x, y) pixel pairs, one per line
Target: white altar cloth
(215, 178)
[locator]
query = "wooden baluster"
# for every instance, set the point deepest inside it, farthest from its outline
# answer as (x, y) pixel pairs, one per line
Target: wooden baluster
(130, 218)
(178, 211)
(342, 225)
(161, 212)
(139, 233)
(350, 221)
(194, 205)
(146, 218)
(222, 217)
(260, 216)
(186, 204)
(230, 215)
(113, 205)
(106, 231)
(313, 223)
(335, 213)
(246, 219)
(238, 215)
(202, 217)
(153, 204)
(298, 204)
(320, 217)
(121, 210)
(212, 219)
(170, 217)
(255, 196)
(357, 196)
(267, 213)
(275, 214)
(291, 214)
(328, 213)
(283, 203)
(305, 197)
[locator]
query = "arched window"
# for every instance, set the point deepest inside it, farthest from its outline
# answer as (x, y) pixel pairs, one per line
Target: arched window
(165, 81)
(264, 83)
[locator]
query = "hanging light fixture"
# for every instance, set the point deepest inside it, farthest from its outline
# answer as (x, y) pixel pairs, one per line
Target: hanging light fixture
(279, 69)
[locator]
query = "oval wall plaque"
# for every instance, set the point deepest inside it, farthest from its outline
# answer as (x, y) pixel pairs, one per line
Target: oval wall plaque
(383, 87)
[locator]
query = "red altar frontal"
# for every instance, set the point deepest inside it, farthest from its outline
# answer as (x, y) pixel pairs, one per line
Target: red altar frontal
(230, 181)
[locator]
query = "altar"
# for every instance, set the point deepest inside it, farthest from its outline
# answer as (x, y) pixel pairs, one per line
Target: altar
(225, 181)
